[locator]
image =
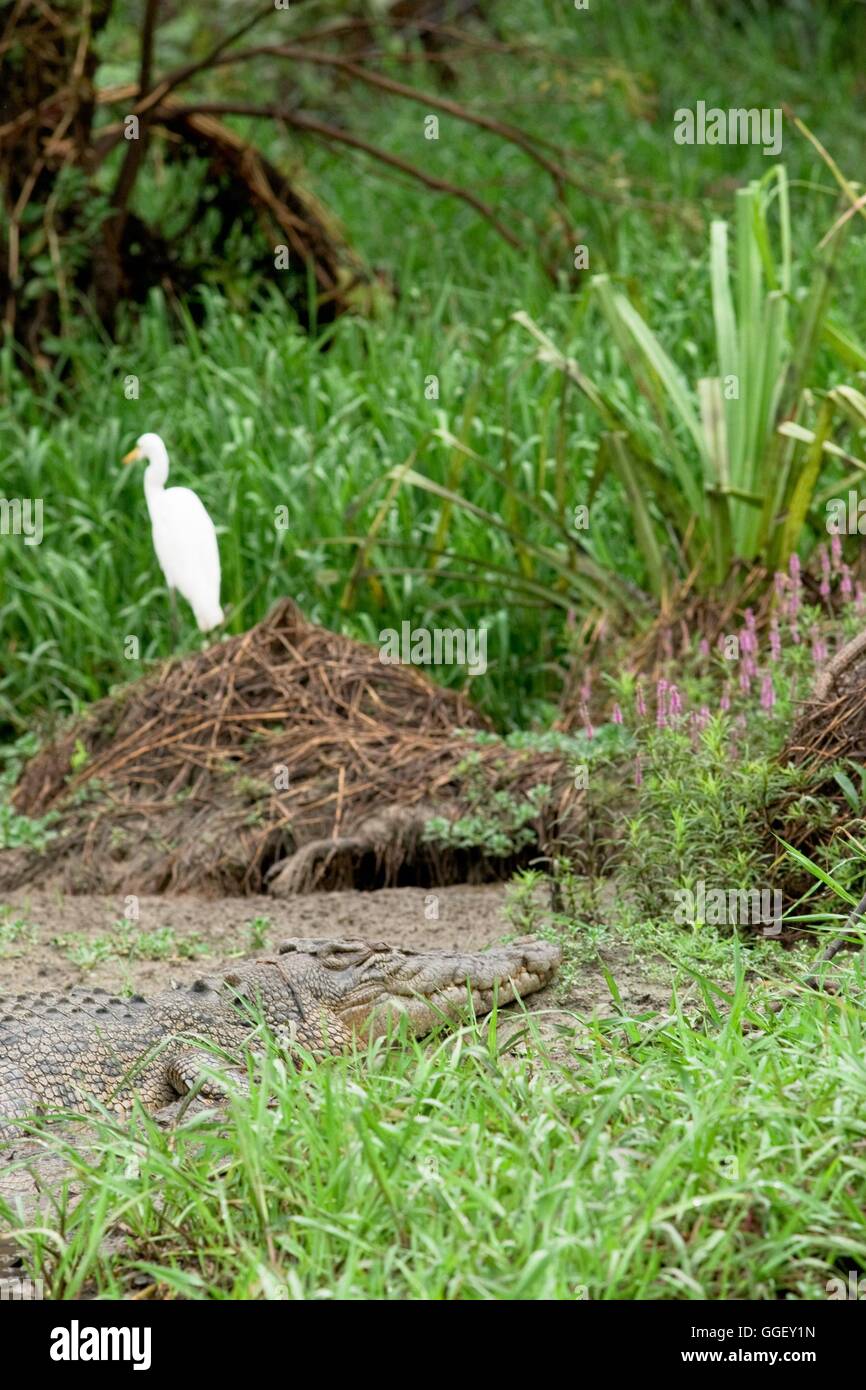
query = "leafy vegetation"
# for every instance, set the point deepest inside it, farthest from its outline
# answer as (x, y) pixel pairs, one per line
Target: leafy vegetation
(704, 810)
(549, 462)
(710, 471)
(263, 420)
(17, 831)
(128, 941)
(665, 1161)
(16, 933)
(497, 824)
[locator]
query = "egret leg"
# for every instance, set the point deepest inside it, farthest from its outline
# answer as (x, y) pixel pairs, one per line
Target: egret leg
(175, 625)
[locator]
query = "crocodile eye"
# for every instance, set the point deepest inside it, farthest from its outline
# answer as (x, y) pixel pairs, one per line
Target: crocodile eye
(241, 986)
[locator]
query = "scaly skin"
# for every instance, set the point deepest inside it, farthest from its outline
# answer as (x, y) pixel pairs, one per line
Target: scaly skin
(64, 1051)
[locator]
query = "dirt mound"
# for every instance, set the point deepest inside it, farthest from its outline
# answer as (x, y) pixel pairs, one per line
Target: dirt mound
(828, 741)
(287, 759)
(832, 726)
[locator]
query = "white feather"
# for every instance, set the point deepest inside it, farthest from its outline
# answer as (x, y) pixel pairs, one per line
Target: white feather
(184, 537)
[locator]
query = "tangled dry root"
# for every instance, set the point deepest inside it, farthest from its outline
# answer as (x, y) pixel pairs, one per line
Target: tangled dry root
(832, 726)
(287, 759)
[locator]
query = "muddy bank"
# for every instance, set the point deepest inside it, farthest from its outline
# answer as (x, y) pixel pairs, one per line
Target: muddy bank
(52, 941)
(288, 759)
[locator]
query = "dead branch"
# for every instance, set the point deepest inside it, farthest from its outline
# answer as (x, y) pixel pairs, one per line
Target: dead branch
(345, 137)
(287, 752)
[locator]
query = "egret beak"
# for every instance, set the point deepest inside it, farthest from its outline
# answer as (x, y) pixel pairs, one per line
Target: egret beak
(132, 455)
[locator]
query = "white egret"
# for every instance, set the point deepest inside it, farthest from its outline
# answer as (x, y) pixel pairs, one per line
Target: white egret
(183, 535)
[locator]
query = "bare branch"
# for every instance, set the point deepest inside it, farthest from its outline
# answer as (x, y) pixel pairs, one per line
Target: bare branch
(436, 103)
(345, 137)
(148, 31)
(215, 58)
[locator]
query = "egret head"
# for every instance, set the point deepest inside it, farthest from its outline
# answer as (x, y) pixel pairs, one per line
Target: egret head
(150, 447)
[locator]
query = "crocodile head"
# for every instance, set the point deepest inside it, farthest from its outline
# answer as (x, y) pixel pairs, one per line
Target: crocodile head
(363, 987)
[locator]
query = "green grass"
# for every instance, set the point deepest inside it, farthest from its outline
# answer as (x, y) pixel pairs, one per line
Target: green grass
(257, 417)
(127, 941)
(700, 1152)
(709, 1149)
(16, 934)
(17, 831)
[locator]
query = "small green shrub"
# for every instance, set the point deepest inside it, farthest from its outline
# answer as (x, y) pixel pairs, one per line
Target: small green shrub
(496, 822)
(128, 940)
(707, 807)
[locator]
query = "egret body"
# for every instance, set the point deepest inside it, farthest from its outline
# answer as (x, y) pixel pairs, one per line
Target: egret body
(184, 537)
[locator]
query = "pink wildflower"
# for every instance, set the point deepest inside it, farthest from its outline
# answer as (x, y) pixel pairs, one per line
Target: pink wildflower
(794, 599)
(768, 694)
(846, 588)
(819, 648)
(661, 704)
(835, 553)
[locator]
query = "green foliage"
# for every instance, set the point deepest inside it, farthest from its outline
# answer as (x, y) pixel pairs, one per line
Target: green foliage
(495, 821)
(451, 1171)
(704, 812)
(16, 934)
(607, 741)
(17, 831)
(564, 907)
(637, 1153)
(258, 931)
(852, 784)
(837, 885)
(257, 416)
(24, 832)
(709, 468)
(80, 757)
(129, 940)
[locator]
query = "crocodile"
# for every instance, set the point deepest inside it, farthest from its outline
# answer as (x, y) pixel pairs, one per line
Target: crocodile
(65, 1051)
